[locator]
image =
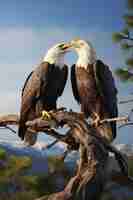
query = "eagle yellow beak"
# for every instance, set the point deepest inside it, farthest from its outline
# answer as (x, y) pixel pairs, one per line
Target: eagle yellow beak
(73, 44)
(66, 46)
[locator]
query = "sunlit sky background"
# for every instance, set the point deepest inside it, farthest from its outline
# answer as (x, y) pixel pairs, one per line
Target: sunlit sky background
(29, 27)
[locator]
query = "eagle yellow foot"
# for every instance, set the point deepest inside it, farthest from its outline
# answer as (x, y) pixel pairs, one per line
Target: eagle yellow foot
(96, 120)
(46, 115)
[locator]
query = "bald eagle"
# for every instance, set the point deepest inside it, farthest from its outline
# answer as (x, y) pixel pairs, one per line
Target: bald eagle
(42, 88)
(94, 87)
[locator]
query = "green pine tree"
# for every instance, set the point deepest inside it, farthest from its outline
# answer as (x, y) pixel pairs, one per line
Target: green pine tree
(125, 39)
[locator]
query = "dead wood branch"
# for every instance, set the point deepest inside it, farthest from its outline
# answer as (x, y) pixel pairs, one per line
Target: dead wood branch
(11, 119)
(59, 116)
(117, 119)
(126, 101)
(126, 124)
(90, 177)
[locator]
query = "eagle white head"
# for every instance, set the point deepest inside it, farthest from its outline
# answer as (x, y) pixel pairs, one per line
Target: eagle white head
(86, 52)
(55, 55)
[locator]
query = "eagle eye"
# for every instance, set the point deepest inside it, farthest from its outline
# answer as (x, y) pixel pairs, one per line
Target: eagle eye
(81, 44)
(61, 45)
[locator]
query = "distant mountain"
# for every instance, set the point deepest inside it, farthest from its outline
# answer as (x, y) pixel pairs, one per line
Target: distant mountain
(39, 158)
(39, 154)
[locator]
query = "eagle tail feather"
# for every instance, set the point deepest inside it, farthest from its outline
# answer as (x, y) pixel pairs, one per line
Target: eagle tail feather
(21, 131)
(114, 129)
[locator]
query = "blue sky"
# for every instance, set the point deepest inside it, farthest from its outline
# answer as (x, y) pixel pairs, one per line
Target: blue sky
(64, 13)
(29, 27)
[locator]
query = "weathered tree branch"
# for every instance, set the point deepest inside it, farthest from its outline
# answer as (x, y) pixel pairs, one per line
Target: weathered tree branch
(42, 125)
(10, 119)
(126, 101)
(92, 146)
(126, 124)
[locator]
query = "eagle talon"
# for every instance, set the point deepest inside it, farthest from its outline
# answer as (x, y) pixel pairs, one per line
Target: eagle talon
(46, 115)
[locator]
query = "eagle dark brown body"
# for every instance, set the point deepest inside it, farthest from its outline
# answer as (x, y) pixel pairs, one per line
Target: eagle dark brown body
(40, 92)
(95, 90)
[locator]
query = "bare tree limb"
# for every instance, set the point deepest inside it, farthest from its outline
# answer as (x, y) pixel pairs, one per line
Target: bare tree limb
(9, 128)
(126, 101)
(41, 125)
(10, 119)
(116, 119)
(94, 151)
(127, 124)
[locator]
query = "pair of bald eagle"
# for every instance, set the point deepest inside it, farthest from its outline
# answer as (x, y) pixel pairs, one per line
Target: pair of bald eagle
(92, 85)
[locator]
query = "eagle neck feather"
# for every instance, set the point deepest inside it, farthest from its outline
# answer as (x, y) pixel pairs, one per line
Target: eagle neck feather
(54, 58)
(86, 57)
